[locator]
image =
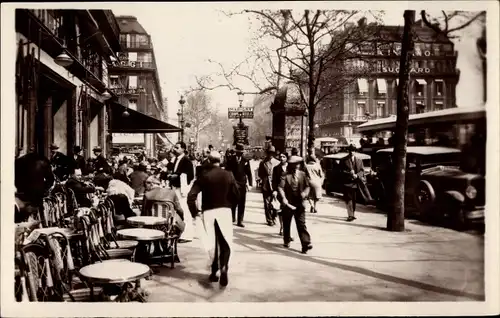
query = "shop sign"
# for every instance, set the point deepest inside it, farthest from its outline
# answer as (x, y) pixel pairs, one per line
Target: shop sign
(412, 70)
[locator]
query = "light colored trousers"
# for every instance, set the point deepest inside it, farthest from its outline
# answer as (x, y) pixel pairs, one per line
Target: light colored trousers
(206, 230)
(189, 230)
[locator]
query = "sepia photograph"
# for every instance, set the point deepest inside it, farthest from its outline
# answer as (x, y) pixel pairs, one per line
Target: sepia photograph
(250, 159)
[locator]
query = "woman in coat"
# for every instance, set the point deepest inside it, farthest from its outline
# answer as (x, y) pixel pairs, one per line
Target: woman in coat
(316, 178)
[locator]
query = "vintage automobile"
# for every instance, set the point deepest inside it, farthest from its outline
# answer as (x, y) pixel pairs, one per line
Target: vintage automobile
(436, 189)
(333, 175)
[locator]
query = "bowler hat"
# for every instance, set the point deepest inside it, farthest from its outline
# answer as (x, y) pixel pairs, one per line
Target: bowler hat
(77, 149)
(240, 148)
(54, 147)
(295, 159)
(351, 147)
(214, 156)
(97, 149)
(271, 149)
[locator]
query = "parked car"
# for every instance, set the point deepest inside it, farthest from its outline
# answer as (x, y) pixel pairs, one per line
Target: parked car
(435, 186)
(333, 176)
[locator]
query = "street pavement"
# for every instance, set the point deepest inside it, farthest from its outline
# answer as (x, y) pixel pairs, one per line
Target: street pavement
(350, 261)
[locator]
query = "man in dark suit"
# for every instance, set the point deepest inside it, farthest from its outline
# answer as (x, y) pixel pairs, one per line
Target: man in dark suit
(180, 180)
(265, 173)
(240, 167)
(100, 163)
(79, 160)
(352, 172)
(219, 193)
(80, 188)
(294, 190)
(60, 163)
(278, 172)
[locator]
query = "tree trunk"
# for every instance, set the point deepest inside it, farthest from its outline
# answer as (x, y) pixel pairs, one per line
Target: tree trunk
(311, 137)
(395, 218)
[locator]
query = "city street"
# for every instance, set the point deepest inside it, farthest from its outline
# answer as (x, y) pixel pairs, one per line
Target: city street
(357, 261)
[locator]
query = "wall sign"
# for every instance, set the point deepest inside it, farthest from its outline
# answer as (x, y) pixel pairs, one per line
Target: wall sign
(412, 70)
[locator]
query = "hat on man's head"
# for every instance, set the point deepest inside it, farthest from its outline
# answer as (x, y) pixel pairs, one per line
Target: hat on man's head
(295, 159)
(351, 147)
(54, 147)
(240, 148)
(214, 156)
(97, 149)
(271, 149)
(77, 149)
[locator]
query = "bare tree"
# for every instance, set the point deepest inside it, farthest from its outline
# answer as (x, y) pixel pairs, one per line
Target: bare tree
(395, 217)
(198, 113)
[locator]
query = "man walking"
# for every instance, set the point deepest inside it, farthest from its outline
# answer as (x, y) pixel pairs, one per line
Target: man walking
(240, 167)
(352, 172)
(294, 190)
(219, 193)
(266, 175)
(180, 180)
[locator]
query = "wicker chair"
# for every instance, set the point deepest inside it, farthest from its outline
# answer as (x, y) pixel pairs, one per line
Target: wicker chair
(106, 211)
(166, 210)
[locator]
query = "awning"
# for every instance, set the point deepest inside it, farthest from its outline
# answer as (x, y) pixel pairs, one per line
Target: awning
(382, 86)
(421, 81)
(363, 85)
(164, 139)
(136, 122)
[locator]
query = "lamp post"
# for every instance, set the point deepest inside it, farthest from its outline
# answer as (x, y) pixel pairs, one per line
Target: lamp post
(180, 113)
(240, 99)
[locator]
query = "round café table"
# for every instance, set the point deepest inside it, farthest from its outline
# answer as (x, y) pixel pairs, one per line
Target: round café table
(149, 247)
(117, 273)
(141, 221)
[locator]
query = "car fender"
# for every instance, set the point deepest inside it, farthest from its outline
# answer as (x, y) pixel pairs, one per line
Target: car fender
(429, 187)
(455, 195)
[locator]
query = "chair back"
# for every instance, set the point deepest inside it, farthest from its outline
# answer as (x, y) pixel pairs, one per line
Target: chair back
(61, 261)
(166, 210)
(38, 271)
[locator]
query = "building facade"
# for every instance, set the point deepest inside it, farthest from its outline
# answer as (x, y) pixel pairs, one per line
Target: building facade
(372, 93)
(62, 78)
(134, 78)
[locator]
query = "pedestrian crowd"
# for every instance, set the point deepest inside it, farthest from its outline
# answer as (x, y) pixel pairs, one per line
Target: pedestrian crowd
(208, 190)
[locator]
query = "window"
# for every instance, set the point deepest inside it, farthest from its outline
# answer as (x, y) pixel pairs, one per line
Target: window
(438, 105)
(437, 49)
(132, 82)
(145, 57)
(380, 109)
(420, 107)
(132, 56)
(418, 50)
(381, 86)
(132, 104)
(361, 109)
(439, 85)
(114, 82)
(419, 87)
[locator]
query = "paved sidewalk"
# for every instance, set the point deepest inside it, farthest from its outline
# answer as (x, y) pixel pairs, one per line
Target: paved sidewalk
(357, 261)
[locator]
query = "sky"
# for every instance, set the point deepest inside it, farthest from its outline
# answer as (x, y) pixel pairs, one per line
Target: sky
(186, 36)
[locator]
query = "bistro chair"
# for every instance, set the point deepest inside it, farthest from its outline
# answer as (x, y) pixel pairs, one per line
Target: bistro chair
(106, 211)
(166, 210)
(67, 280)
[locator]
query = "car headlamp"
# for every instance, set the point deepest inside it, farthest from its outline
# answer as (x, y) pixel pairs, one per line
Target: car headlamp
(471, 192)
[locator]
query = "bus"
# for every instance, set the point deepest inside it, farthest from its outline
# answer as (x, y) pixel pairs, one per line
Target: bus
(463, 128)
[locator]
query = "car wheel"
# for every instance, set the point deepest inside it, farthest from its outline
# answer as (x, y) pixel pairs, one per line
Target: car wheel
(425, 198)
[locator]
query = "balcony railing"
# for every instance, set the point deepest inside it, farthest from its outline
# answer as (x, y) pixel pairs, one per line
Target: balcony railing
(134, 64)
(347, 117)
(136, 44)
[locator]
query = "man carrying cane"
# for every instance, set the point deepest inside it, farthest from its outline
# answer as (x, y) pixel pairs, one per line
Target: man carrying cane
(219, 192)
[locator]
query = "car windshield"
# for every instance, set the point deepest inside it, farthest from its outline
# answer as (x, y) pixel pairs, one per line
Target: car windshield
(445, 159)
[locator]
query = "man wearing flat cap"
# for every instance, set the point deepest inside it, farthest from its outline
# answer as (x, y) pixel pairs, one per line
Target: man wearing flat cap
(240, 167)
(219, 192)
(294, 190)
(266, 175)
(352, 172)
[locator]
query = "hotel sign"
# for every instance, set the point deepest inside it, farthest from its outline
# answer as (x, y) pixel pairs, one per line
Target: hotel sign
(412, 70)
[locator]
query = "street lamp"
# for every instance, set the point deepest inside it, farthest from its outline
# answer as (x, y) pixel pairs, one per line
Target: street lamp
(63, 59)
(240, 99)
(180, 113)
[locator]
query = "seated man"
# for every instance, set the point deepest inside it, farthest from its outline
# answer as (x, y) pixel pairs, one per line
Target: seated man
(80, 188)
(154, 193)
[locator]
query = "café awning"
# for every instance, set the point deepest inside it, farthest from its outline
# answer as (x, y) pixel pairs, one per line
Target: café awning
(382, 86)
(136, 122)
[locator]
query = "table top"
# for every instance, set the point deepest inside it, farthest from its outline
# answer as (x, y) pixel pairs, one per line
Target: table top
(146, 220)
(114, 272)
(141, 234)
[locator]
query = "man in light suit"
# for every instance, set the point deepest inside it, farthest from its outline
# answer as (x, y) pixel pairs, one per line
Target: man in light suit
(240, 167)
(294, 190)
(180, 180)
(352, 173)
